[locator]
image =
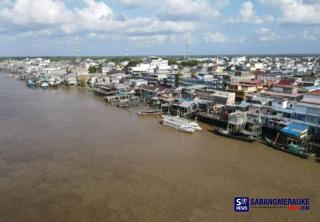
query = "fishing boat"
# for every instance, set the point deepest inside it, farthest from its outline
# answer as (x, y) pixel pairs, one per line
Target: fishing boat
(291, 148)
(193, 124)
(177, 125)
(235, 135)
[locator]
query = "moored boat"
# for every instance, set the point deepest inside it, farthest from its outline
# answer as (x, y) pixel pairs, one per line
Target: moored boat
(31, 83)
(239, 136)
(193, 124)
(44, 85)
(149, 112)
(290, 148)
(177, 125)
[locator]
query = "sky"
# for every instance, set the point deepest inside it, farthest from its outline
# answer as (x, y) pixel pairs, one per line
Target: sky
(158, 27)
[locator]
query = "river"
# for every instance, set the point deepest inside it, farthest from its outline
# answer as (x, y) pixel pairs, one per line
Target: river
(66, 155)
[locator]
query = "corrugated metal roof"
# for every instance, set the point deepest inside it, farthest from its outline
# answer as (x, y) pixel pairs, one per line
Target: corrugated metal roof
(295, 129)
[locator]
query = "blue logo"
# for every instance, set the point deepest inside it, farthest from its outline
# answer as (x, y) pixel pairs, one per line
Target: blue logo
(241, 204)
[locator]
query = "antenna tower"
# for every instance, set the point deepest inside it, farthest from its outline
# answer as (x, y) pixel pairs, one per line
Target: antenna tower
(77, 45)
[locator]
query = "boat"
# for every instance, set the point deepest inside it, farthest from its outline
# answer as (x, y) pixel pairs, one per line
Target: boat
(44, 85)
(149, 112)
(51, 81)
(234, 135)
(291, 148)
(31, 83)
(193, 124)
(177, 125)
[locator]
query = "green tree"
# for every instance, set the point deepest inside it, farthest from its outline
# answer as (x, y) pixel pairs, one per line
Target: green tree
(172, 62)
(134, 62)
(92, 69)
(190, 63)
(194, 75)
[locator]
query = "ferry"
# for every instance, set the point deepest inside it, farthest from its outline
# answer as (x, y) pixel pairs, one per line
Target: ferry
(193, 124)
(177, 125)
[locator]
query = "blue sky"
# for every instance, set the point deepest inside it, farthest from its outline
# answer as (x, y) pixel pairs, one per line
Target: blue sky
(145, 27)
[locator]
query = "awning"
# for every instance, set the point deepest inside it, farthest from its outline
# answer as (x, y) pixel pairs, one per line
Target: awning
(243, 105)
(295, 130)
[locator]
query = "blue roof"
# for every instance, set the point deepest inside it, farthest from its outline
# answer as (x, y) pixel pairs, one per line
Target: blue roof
(243, 104)
(185, 99)
(295, 129)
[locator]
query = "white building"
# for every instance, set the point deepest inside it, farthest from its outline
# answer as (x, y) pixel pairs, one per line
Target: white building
(152, 65)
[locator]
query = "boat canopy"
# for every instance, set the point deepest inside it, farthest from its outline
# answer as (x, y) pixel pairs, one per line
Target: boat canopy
(295, 130)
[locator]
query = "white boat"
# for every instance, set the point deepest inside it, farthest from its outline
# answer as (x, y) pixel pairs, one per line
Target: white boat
(44, 85)
(177, 125)
(51, 81)
(193, 124)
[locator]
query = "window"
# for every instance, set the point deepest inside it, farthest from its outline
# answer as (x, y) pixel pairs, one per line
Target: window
(300, 117)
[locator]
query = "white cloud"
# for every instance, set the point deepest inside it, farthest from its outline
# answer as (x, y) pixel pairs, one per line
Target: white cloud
(307, 35)
(215, 37)
(222, 3)
(266, 35)
(38, 17)
(95, 11)
(247, 14)
(40, 33)
(5, 3)
(297, 11)
(149, 40)
(24, 12)
(187, 9)
(179, 9)
(131, 3)
(220, 38)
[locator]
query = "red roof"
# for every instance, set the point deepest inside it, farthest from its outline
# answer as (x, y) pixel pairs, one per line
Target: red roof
(287, 82)
(293, 95)
(251, 82)
(153, 88)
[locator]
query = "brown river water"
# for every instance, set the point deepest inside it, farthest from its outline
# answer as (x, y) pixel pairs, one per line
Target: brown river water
(66, 155)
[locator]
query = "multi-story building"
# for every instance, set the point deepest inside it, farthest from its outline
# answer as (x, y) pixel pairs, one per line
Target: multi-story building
(307, 111)
(152, 65)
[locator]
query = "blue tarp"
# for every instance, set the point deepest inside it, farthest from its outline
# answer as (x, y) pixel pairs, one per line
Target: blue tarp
(243, 104)
(295, 129)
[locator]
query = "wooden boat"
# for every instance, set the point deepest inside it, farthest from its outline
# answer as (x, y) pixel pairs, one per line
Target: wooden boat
(239, 136)
(290, 148)
(149, 112)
